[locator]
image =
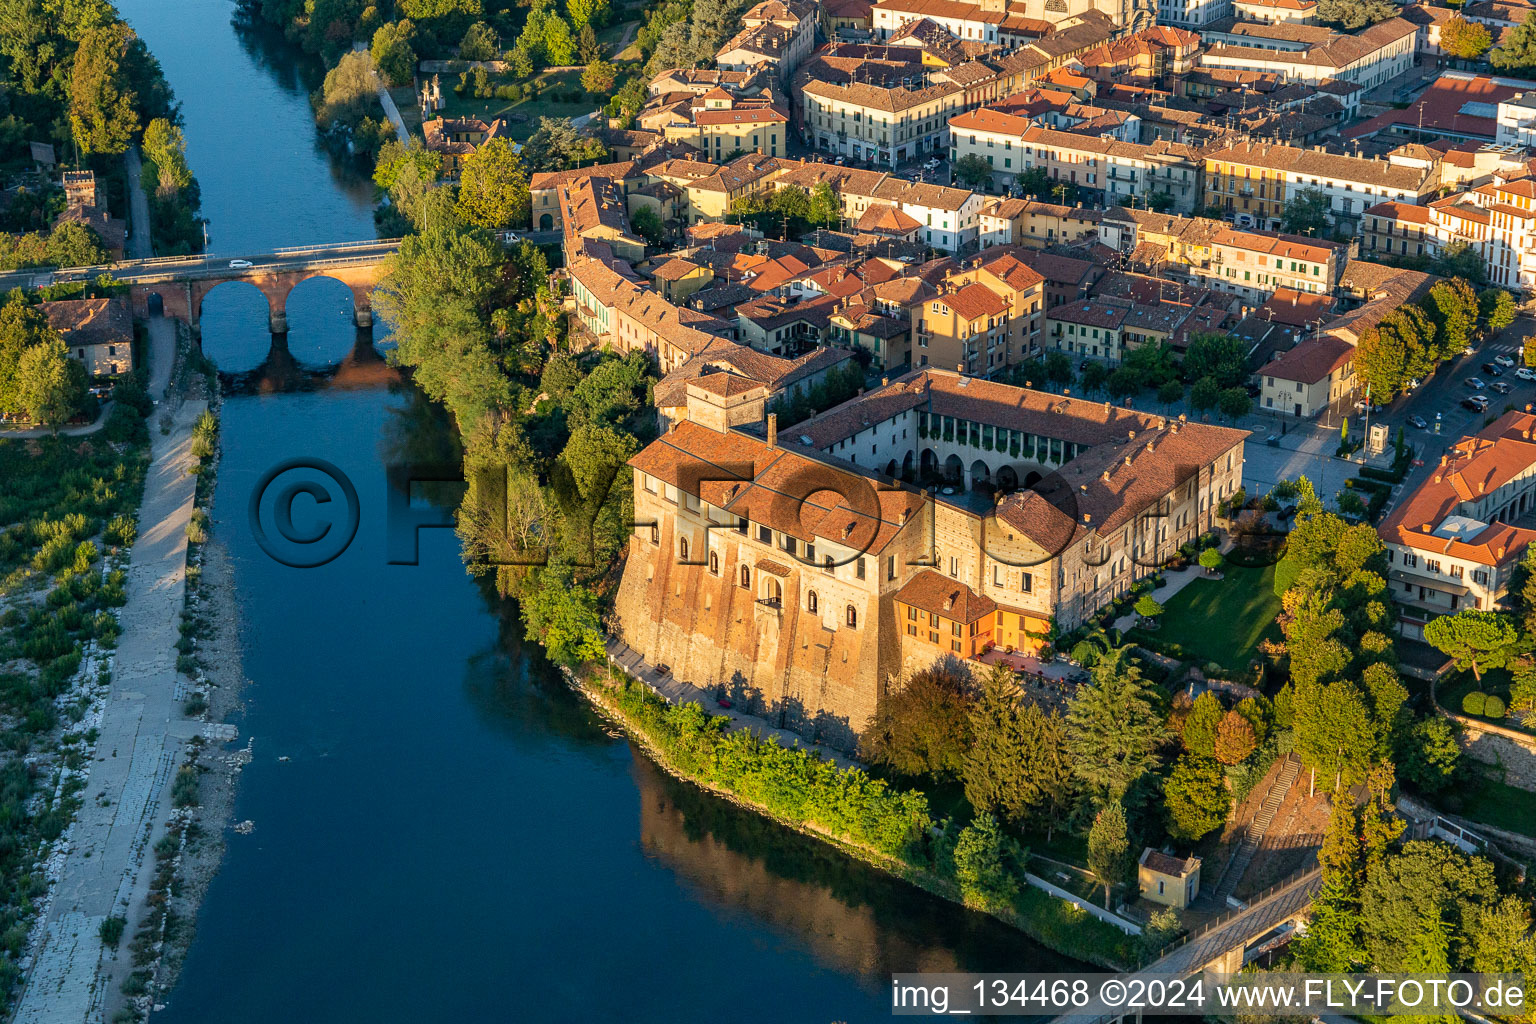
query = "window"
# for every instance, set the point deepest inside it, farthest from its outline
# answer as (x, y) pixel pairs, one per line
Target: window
(954, 628)
(826, 564)
(1432, 565)
(655, 534)
(1026, 582)
(1456, 571)
(911, 630)
(682, 549)
(746, 577)
(890, 567)
(853, 617)
(954, 567)
(714, 563)
(912, 613)
(954, 645)
(810, 601)
(765, 534)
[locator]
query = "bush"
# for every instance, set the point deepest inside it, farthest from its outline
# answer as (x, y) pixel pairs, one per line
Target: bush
(112, 930)
(125, 426)
(184, 788)
(122, 531)
(1474, 702)
(985, 865)
(1493, 707)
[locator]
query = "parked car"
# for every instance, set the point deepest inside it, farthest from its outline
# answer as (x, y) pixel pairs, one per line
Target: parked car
(1526, 373)
(1493, 370)
(1504, 361)
(1477, 403)
(1417, 422)
(240, 264)
(931, 164)
(1501, 387)
(1475, 384)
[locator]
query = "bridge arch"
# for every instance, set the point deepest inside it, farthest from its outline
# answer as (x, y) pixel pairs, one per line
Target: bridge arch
(362, 293)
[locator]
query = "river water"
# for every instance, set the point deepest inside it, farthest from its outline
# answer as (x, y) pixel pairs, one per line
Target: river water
(442, 831)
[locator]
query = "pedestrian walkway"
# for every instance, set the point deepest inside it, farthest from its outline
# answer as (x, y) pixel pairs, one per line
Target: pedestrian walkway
(140, 737)
(1253, 835)
(675, 691)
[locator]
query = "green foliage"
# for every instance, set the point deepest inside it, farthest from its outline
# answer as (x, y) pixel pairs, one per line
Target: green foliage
(562, 615)
(493, 187)
(1498, 306)
(1219, 357)
(1196, 798)
(1114, 730)
(102, 114)
(348, 92)
(647, 224)
(1493, 707)
(1517, 50)
(394, 53)
(1465, 39)
(792, 785)
(924, 728)
(1210, 560)
(1428, 885)
(1354, 14)
(1016, 766)
(1201, 723)
(50, 387)
(1307, 213)
(1148, 606)
(1475, 639)
(1109, 847)
(973, 171)
(1432, 755)
(987, 865)
(1236, 738)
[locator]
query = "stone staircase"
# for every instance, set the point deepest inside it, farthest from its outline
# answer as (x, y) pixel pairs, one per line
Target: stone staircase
(1253, 838)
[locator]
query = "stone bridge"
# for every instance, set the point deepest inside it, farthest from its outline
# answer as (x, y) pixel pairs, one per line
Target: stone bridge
(177, 286)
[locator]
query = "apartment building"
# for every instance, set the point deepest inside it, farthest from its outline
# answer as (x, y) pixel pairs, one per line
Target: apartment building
(1089, 328)
(1253, 181)
(896, 118)
(1300, 12)
(965, 21)
(813, 608)
(1192, 14)
(1254, 265)
(1498, 220)
(1119, 171)
(1308, 379)
(982, 321)
(1036, 224)
(720, 126)
(1453, 543)
(1368, 58)
(778, 35)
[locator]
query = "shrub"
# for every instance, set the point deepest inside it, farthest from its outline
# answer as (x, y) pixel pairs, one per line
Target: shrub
(197, 527)
(125, 425)
(984, 865)
(1473, 703)
(122, 531)
(1493, 707)
(112, 930)
(184, 788)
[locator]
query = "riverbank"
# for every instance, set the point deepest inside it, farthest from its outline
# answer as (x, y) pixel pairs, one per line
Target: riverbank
(1049, 921)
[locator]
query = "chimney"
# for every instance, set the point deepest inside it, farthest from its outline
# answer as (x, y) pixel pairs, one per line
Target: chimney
(773, 429)
(884, 381)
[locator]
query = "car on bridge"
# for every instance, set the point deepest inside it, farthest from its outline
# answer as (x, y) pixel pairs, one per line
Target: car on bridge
(240, 264)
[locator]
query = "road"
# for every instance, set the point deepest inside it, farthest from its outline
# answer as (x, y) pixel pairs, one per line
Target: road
(139, 244)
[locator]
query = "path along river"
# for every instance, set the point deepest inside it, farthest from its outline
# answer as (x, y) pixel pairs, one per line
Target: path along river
(442, 831)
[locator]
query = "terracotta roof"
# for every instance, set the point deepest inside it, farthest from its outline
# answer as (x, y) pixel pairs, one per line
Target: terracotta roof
(1437, 516)
(90, 321)
(975, 301)
(939, 595)
(1166, 864)
(1311, 361)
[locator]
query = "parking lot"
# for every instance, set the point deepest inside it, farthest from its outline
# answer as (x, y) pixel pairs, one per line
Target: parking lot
(1309, 449)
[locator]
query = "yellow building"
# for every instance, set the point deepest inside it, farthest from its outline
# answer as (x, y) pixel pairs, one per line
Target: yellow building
(1171, 881)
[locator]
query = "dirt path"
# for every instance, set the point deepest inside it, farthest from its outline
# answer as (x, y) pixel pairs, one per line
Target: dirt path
(141, 734)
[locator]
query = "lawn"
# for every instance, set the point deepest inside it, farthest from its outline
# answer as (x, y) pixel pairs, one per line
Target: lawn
(522, 115)
(1221, 620)
(1501, 805)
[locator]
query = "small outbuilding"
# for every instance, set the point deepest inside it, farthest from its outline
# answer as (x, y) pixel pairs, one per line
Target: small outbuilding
(1169, 880)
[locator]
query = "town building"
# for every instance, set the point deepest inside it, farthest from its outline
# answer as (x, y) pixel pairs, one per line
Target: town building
(97, 332)
(1166, 879)
(455, 138)
(721, 127)
(1254, 181)
(1319, 373)
(1454, 541)
(1373, 56)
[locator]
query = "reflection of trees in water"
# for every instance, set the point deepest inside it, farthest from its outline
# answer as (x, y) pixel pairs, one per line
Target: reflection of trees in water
(290, 67)
(851, 915)
(515, 690)
(280, 373)
(420, 433)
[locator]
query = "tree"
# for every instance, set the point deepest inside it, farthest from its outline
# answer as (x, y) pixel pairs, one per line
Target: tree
(493, 187)
(588, 49)
(598, 78)
(1113, 729)
(1498, 306)
(584, 12)
(1109, 848)
(1216, 355)
(1427, 884)
(1196, 798)
(986, 864)
(1206, 394)
(101, 105)
(479, 43)
(1432, 755)
(1160, 202)
(50, 386)
(825, 208)
(393, 158)
(72, 244)
(1476, 639)
(1148, 607)
(1235, 403)
(559, 45)
(1353, 14)
(166, 148)
(562, 614)
(348, 91)
(1058, 368)
(393, 52)
(1210, 560)
(1468, 40)
(1333, 729)
(1528, 350)
(647, 223)
(1200, 724)
(973, 170)
(1235, 738)
(1518, 50)
(1452, 305)
(558, 146)
(1170, 392)
(925, 727)
(1307, 212)
(1016, 766)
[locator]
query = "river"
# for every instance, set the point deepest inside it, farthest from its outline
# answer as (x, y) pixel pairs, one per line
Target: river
(442, 831)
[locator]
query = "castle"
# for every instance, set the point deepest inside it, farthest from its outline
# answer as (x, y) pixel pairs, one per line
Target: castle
(805, 575)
